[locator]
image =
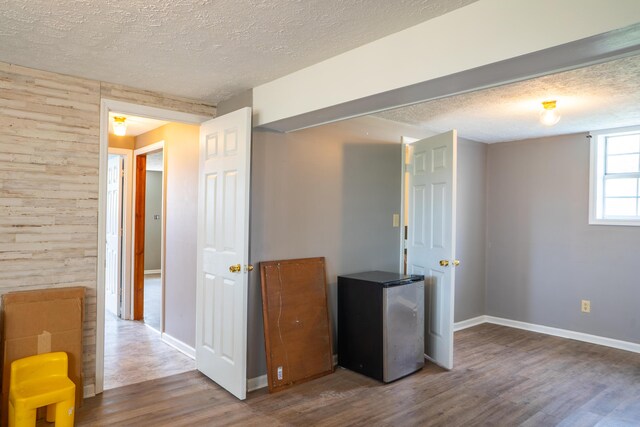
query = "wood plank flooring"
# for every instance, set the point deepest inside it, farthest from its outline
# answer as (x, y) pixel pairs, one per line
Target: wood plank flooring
(502, 377)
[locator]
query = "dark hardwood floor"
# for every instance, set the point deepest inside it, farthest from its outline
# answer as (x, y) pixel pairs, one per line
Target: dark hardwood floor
(502, 377)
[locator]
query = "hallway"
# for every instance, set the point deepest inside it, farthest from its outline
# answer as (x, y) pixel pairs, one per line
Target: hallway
(135, 353)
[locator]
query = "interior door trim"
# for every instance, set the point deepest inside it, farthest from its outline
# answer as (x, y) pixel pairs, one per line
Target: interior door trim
(111, 105)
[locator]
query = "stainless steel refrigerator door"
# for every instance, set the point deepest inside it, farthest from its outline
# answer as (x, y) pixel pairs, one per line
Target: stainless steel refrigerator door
(403, 330)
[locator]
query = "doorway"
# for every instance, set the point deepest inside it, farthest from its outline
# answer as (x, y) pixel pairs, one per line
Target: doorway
(148, 235)
(131, 351)
(194, 210)
(429, 193)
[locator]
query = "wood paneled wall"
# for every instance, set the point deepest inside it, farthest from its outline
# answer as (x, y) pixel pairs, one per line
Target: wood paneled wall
(154, 99)
(49, 157)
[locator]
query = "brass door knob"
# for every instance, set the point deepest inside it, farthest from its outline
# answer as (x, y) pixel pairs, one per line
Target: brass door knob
(248, 267)
(456, 262)
(444, 263)
(235, 268)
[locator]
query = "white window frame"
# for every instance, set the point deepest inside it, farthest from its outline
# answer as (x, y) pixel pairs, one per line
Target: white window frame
(596, 177)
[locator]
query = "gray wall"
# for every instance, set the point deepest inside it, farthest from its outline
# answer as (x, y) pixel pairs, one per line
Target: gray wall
(470, 230)
(526, 250)
(244, 99)
(153, 227)
(332, 191)
(328, 191)
(543, 257)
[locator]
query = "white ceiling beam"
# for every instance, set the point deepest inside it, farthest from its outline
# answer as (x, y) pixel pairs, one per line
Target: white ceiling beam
(487, 43)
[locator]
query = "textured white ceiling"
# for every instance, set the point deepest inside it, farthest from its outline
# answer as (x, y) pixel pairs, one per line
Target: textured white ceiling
(202, 49)
(598, 97)
(136, 125)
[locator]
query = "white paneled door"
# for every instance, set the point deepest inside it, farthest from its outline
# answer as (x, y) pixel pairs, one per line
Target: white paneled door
(431, 243)
(223, 250)
(114, 234)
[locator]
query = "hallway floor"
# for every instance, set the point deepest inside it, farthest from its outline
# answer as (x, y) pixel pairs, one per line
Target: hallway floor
(152, 300)
(135, 353)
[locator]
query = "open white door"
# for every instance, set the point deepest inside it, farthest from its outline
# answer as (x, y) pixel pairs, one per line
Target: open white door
(223, 250)
(431, 243)
(114, 234)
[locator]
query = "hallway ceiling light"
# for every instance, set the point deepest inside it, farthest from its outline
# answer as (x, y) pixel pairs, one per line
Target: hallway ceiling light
(549, 115)
(119, 126)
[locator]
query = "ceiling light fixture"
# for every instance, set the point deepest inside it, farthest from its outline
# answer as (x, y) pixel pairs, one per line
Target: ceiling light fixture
(119, 126)
(549, 115)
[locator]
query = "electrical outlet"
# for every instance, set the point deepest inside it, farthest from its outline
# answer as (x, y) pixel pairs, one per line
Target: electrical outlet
(586, 306)
(396, 220)
(279, 373)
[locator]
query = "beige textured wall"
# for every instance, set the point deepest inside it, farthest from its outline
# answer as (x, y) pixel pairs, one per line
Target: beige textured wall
(181, 152)
(49, 155)
(151, 137)
(126, 142)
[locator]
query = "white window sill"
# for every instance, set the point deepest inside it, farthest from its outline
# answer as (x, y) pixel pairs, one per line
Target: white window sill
(625, 222)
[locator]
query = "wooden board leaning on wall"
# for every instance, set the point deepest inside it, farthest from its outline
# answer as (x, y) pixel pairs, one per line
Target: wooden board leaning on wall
(297, 329)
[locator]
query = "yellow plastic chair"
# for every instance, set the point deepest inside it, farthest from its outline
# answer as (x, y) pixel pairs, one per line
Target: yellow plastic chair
(38, 381)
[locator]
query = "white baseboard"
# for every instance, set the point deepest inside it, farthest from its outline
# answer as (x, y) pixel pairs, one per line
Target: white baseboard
(564, 333)
(464, 324)
(548, 330)
(179, 345)
(88, 391)
(257, 382)
(152, 271)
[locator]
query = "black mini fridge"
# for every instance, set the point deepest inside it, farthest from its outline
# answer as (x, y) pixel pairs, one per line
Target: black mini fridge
(381, 324)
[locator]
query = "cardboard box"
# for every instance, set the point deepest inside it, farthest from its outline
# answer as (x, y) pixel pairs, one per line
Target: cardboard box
(42, 321)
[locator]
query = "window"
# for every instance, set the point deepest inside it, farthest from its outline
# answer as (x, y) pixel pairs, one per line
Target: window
(615, 177)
